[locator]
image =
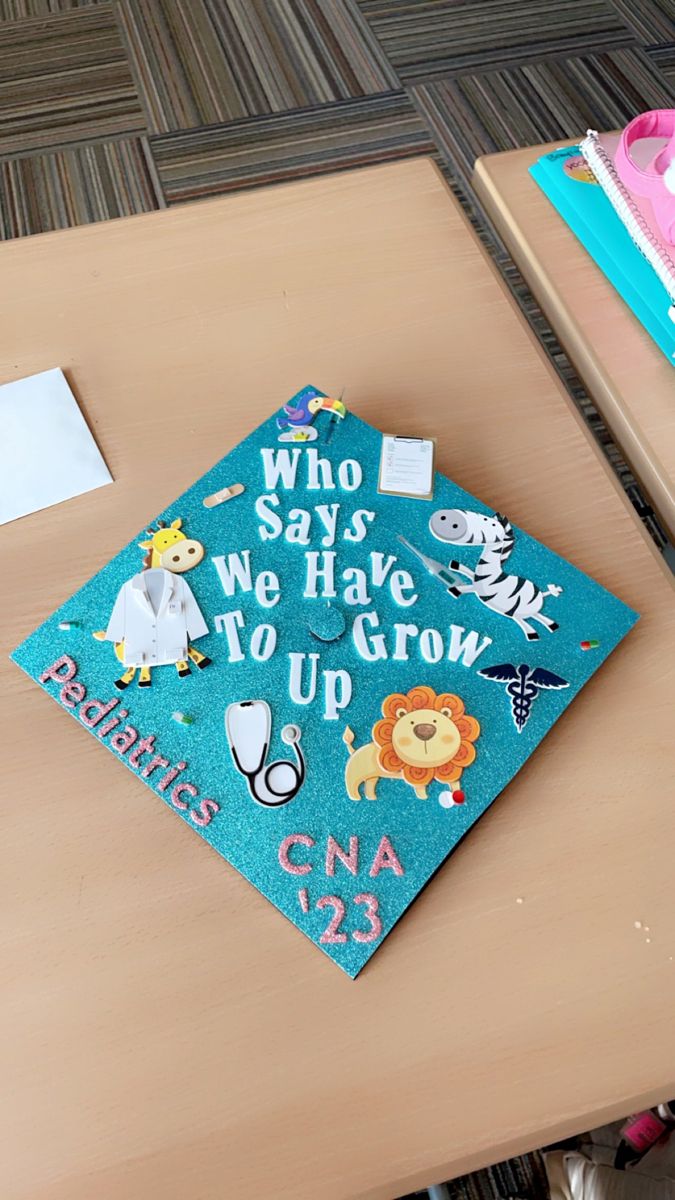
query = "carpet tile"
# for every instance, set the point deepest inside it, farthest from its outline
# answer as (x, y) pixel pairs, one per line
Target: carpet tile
(293, 145)
(64, 79)
(663, 58)
(652, 21)
(202, 62)
(427, 38)
(77, 186)
(18, 10)
(559, 98)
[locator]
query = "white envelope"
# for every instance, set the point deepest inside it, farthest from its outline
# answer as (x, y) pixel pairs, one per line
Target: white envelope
(47, 453)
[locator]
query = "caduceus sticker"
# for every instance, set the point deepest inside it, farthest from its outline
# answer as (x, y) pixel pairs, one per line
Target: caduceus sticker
(523, 685)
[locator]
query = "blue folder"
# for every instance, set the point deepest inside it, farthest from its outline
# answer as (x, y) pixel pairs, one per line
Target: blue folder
(592, 219)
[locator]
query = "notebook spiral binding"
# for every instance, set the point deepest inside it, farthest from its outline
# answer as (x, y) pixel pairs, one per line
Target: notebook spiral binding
(605, 172)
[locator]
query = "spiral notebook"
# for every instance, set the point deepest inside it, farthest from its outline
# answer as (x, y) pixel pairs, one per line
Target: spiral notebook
(599, 151)
(573, 189)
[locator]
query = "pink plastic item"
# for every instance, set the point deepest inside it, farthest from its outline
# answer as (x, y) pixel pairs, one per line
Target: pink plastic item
(656, 181)
(643, 1130)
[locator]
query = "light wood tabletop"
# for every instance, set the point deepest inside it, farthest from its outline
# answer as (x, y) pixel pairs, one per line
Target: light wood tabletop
(164, 1032)
(628, 377)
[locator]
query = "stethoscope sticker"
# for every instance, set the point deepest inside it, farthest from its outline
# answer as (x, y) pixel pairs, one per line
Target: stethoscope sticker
(248, 725)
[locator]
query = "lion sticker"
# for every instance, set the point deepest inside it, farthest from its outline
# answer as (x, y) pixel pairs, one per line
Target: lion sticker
(421, 737)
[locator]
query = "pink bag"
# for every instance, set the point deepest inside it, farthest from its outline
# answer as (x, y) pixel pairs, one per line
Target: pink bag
(656, 181)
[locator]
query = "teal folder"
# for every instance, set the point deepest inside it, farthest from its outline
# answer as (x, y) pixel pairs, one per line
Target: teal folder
(592, 219)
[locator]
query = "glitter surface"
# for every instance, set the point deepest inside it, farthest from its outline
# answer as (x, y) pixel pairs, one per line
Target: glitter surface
(248, 835)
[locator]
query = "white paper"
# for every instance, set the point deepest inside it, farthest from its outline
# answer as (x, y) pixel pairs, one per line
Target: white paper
(47, 453)
(407, 466)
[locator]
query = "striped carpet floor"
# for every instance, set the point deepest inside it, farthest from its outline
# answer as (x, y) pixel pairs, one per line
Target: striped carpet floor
(290, 145)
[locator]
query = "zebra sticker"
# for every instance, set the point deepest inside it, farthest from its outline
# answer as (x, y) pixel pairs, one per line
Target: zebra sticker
(509, 595)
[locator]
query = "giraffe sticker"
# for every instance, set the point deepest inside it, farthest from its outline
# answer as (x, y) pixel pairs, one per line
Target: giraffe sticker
(155, 616)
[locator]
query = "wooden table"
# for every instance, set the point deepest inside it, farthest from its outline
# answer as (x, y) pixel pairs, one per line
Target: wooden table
(628, 377)
(165, 1033)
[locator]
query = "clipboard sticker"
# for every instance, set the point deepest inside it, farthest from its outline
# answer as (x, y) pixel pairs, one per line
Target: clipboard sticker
(407, 467)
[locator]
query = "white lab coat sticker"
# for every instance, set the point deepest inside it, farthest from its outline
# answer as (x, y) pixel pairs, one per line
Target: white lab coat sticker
(155, 634)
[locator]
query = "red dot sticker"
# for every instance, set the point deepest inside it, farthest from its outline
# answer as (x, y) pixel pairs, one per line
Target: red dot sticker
(450, 799)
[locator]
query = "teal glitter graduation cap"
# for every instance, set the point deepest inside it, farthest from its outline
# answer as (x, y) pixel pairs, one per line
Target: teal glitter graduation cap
(346, 695)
